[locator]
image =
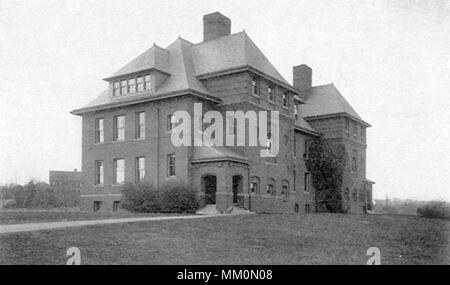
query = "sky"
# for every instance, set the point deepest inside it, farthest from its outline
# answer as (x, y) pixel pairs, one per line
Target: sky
(390, 59)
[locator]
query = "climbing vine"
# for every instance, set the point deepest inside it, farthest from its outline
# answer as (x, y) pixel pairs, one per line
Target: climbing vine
(326, 163)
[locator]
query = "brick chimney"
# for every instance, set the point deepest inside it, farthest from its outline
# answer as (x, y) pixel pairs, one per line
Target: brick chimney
(215, 25)
(302, 77)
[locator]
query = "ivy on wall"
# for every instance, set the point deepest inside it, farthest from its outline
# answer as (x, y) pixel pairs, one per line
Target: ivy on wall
(326, 163)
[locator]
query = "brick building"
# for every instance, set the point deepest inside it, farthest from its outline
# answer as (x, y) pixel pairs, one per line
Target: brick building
(126, 130)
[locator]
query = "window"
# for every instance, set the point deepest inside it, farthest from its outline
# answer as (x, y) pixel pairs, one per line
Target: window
(99, 172)
(354, 195)
(347, 126)
(254, 185)
(170, 122)
(97, 205)
(99, 132)
(119, 128)
(271, 187)
(148, 82)
(285, 100)
(119, 171)
(171, 165)
(306, 150)
(270, 90)
(255, 86)
(116, 91)
(354, 129)
(296, 208)
(124, 87)
(307, 208)
(140, 125)
(296, 111)
(231, 126)
(116, 205)
(285, 188)
(140, 84)
(140, 168)
(132, 85)
(354, 161)
(307, 182)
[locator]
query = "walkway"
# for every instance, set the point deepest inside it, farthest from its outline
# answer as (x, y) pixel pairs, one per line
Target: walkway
(69, 224)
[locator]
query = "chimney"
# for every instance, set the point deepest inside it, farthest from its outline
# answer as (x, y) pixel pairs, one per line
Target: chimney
(302, 77)
(215, 25)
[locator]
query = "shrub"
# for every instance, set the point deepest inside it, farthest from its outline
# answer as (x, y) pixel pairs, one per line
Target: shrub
(178, 198)
(141, 197)
(435, 210)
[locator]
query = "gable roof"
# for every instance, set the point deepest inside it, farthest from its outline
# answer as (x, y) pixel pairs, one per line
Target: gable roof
(327, 100)
(232, 52)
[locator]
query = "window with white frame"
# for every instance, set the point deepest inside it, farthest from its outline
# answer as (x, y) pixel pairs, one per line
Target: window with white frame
(140, 84)
(132, 85)
(140, 168)
(119, 171)
(148, 82)
(307, 182)
(255, 86)
(171, 165)
(99, 172)
(116, 91)
(119, 128)
(270, 187)
(254, 185)
(285, 100)
(296, 111)
(99, 130)
(271, 91)
(123, 87)
(285, 188)
(140, 125)
(170, 122)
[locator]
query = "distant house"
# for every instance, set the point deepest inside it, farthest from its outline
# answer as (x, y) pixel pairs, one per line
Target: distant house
(126, 130)
(66, 179)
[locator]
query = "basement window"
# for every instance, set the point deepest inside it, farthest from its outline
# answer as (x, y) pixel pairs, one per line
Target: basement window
(97, 205)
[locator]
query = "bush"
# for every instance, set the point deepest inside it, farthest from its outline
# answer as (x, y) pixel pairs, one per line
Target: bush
(178, 198)
(142, 198)
(435, 210)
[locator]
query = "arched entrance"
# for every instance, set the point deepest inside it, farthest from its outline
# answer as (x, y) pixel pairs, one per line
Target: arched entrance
(209, 183)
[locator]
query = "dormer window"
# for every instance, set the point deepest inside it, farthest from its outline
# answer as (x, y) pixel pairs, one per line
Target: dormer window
(255, 86)
(140, 84)
(148, 83)
(124, 87)
(116, 88)
(132, 85)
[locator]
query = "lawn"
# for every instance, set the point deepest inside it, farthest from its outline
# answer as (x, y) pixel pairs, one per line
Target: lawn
(251, 239)
(39, 216)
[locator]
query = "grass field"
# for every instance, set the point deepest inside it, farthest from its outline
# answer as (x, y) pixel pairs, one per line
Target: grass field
(252, 239)
(36, 216)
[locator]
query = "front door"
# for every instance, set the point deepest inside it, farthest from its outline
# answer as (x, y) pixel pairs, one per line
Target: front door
(210, 184)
